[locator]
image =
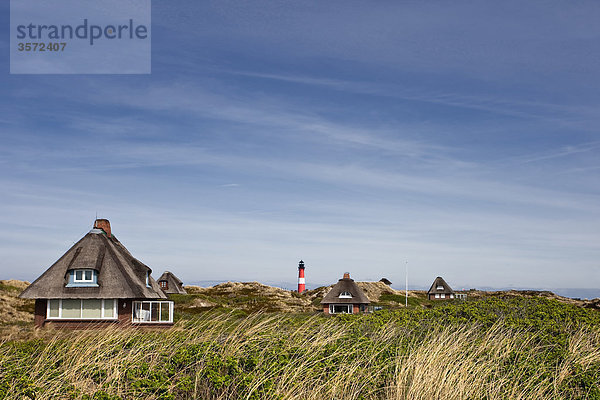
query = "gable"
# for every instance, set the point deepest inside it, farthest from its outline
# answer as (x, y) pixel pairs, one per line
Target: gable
(174, 285)
(439, 286)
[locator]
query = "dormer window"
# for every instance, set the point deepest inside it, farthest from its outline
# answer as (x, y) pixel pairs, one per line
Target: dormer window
(164, 284)
(83, 277)
(147, 278)
(440, 288)
(345, 295)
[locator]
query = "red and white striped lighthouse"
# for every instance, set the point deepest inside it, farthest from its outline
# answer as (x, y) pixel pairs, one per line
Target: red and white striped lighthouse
(301, 281)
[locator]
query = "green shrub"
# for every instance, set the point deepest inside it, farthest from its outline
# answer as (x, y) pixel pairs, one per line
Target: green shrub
(495, 348)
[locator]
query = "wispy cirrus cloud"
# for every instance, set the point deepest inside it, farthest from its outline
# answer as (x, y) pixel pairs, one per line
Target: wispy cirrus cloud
(459, 137)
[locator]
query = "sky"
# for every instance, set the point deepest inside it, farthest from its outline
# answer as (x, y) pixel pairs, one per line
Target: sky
(456, 139)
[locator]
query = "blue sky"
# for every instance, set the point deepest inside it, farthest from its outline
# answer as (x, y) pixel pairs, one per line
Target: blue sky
(461, 137)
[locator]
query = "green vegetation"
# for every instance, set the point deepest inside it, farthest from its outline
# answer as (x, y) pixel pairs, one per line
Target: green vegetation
(9, 288)
(397, 299)
(488, 349)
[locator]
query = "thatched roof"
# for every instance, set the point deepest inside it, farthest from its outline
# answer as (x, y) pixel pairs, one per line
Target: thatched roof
(440, 282)
(174, 284)
(120, 275)
(386, 281)
(345, 285)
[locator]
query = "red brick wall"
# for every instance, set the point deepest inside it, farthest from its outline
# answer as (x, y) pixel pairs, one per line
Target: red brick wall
(124, 310)
(326, 309)
(355, 309)
(39, 313)
(74, 324)
(432, 297)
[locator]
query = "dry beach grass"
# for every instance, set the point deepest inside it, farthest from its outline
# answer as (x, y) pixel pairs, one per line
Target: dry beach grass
(518, 347)
(278, 356)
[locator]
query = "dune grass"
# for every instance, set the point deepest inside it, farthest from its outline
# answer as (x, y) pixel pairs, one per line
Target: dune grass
(511, 351)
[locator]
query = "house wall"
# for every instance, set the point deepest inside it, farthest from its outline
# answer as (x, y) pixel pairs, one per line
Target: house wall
(124, 316)
(85, 324)
(125, 311)
(39, 313)
(432, 297)
(355, 309)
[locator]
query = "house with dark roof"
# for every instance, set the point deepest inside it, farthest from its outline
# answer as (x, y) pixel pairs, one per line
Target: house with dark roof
(345, 297)
(440, 290)
(170, 284)
(386, 281)
(98, 282)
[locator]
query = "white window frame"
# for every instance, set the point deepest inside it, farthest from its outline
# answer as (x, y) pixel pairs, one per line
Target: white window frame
(437, 295)
(83, 280)
(442, 296)
(440, 287)
(345, 295)
(60, 309)
(160, 303)
(350, 308)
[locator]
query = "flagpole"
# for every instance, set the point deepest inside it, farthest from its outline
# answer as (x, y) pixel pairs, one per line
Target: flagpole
(406, 283)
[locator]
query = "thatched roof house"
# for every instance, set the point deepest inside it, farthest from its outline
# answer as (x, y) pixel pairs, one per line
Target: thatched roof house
(440, 290)
(170, 284)
(98, 281)
(386, 281)
(345, 297)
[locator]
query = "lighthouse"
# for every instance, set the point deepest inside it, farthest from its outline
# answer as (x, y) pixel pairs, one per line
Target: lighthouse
(301, 281)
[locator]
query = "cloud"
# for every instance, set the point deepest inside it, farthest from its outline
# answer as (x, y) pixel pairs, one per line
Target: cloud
(460, 138)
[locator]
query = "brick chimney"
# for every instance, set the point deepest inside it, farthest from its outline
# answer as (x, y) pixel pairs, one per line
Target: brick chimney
(346, 275)
(104, 225)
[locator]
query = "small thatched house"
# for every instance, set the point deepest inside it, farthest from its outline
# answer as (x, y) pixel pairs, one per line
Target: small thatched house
(97, 282)
(386, 281)
(345, 297)
(170, 284)
(440, 290)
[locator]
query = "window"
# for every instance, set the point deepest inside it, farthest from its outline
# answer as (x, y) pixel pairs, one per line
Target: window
(164, 284)
(147, 278)
(81, 309)
(440, 288)
(340, 308)
(437, 295)
(443, 296)
(451, 296)
(345, 295)
(152, 311)
(84, 275)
